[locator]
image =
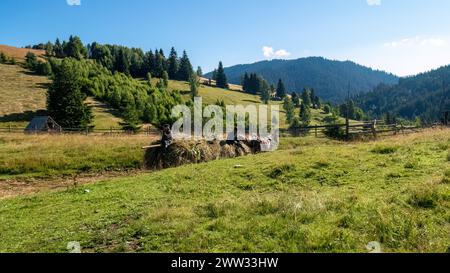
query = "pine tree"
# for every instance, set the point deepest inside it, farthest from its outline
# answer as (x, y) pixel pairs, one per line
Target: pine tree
(173, 64)
(245, 82)
(31, 61)
(306, 97)
(65, 100)
(281, 90)
(3, 58)
(185, 71)
(199, 72)
(149, 63)
(221, 80)
(305, 114)
(289, 108)
(194, 85)
(265, 92)
(74, 48)
(214, 75)
(159, 64)
(296, 99)
(58, 49)
(165, 79)
(122, 63)
(131, 118)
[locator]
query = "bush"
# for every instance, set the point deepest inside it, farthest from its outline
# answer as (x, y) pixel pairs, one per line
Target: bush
(335, 131)
(384, 150)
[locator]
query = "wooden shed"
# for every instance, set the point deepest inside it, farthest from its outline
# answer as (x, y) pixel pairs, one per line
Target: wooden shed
(43, 124)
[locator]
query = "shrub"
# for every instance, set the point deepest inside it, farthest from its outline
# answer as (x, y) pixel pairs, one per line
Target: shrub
(384, 150)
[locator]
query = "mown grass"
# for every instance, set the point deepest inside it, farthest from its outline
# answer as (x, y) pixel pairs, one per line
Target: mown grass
(47, 155)
(310, 196)
(20, 92)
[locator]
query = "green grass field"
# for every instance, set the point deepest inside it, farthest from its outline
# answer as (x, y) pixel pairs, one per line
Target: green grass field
(24, 156)
(313, 195)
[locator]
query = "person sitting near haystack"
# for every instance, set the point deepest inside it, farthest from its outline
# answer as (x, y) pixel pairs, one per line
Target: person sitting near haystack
(167, 137)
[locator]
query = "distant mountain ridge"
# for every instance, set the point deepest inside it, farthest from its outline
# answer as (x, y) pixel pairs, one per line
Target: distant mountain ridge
(425, 95)
(330, 79)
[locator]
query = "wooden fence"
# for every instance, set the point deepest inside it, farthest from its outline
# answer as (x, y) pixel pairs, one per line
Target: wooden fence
(81, 131)
(349, 131)
(354, 130)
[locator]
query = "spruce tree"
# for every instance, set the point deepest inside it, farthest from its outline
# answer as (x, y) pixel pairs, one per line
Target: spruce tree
(199, 72)
(122, 63)
(173, 64)
(165, 79)
(281, 90)
(296, 99)
(3, 58)
(289, 108)
(194, 85)
(306, 97)
(221, 80)
(159, 64)
(305, 114)
(265, 92)
(65, 100)
(58, 49)
(31, 61)
(185, 71)
(74, 48)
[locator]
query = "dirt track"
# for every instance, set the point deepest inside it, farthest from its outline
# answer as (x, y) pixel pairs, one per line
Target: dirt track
(22, 187)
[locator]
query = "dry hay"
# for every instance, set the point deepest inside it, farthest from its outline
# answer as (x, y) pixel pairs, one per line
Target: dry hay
(192, 152)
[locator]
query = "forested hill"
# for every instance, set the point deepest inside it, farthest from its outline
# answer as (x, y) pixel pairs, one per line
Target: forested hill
(330, 79)
(425, 95)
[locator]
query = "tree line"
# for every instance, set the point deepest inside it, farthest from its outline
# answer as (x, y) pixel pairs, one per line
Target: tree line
(130, 61)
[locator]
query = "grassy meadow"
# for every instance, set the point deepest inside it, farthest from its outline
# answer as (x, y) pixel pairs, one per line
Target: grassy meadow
(313, 195)
(20, 92)
(24, 156)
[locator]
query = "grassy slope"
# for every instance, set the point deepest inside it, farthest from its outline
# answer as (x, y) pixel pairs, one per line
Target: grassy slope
(20, 92)
(314, 195)
(45, 155)
(20, 53)
(104, 116)
(23, 94)
(211, 95)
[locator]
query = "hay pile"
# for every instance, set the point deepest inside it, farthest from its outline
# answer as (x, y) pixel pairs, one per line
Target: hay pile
(191, 152)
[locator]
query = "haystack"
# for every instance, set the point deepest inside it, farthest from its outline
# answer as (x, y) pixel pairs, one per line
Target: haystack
(192, 152)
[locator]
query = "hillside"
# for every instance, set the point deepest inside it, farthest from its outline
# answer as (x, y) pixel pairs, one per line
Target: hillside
(22, 95)
(313, 195)
(425, 95)
(20, 53)
(330, 79)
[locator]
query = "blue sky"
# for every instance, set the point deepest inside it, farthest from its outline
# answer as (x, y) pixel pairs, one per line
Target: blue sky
(400, 36)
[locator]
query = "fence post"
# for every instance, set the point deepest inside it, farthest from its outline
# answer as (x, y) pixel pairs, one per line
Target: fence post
(87, 131)
(347, 129)
(374, 129)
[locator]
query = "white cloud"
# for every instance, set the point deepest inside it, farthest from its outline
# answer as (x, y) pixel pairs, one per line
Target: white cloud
(73, 2)
(417, 42)
(270, 53)
(374, 2)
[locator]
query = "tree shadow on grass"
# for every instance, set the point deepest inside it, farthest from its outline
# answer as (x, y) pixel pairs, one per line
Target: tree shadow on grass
(25, 116)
